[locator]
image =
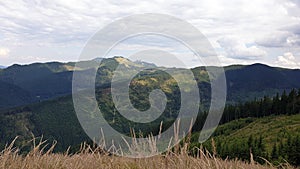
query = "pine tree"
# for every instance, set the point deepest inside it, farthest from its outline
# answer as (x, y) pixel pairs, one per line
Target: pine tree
(275, 105)
(274, 154)
(250, 142)
(293, 150)
(291, 102)
(283, 102)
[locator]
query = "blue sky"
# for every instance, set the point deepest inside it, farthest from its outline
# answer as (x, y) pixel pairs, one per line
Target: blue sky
(241, 31)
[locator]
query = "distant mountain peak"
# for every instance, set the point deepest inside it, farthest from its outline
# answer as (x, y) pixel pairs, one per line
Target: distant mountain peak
(98, 59)
(126, 62)
(259, 65)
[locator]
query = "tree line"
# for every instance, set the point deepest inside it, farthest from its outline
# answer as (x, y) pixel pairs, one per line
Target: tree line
(280, 104)
(282, 151)
(286, 148)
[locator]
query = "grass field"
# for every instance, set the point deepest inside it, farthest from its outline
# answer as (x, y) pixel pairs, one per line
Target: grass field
(10, 159)
(91, 158)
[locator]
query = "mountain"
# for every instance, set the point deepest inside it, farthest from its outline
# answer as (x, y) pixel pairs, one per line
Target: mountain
(254, 81)
(42, 94)
(2, 67)
(12, 95)
(42, 81)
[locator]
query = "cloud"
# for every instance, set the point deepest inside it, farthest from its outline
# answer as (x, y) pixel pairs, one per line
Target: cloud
(286, 36)
(294, 28)
(292, 7)
(4, 52)
(275, 39)
(237, 49)
(225, 61)
(280, 40)
(65, 26)
(287, 60)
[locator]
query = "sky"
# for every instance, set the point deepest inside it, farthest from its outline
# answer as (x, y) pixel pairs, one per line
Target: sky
(241, 31)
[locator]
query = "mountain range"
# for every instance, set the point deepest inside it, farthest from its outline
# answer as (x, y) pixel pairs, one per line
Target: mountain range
(36, 98)
(25, 84)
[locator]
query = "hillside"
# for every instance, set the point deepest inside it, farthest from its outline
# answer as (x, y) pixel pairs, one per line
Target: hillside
(56, 120)
(12, 95)
(261, 135)
(248, 82)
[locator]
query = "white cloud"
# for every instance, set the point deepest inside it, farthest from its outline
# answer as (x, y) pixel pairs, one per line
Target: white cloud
(53, 25)
(4, 52)
(237, 49)
(275, 39)
(288, 60)
(225, 61)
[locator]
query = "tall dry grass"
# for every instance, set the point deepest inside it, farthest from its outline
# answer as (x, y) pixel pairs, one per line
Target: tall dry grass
(93, 157)
(88, 158)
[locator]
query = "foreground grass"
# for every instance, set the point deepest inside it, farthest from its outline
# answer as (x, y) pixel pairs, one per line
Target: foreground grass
(92, 158)
(88, 159)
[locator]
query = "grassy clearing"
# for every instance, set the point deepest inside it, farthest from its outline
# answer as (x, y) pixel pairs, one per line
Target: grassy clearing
(271, 128)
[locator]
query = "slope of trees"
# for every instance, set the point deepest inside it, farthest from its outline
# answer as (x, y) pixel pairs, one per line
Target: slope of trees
(285, 150)
(280, 104)
(272, 138)
(284, 146)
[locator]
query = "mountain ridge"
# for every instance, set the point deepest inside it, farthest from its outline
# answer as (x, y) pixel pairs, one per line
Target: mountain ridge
(54, 79)
(99, 60)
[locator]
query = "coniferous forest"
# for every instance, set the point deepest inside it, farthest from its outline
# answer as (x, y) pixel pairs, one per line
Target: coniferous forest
(285, 145)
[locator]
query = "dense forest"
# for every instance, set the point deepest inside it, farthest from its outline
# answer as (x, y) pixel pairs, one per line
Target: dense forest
(286, 144)
(278, 105)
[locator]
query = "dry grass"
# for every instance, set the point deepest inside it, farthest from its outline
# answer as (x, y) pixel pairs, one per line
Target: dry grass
(92, 158)
(88, 158)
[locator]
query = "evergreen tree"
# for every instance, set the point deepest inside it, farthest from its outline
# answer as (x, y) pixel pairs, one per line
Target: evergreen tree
(275, 105)
(292, 102)
(283, 102)
(274, 153)
(294, 151)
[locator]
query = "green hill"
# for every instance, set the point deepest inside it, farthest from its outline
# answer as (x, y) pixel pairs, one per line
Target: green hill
(259, 135)
(12, 95)
(53, 119)
(254, 81)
